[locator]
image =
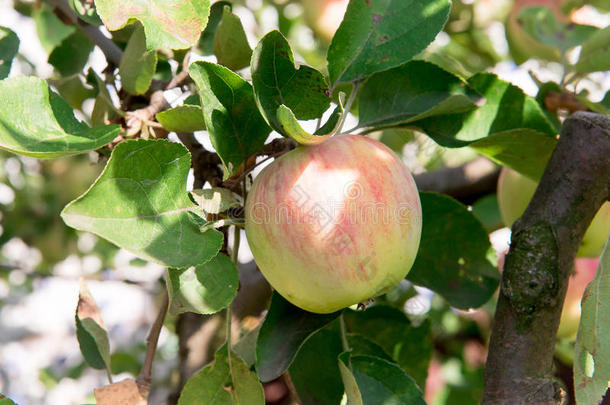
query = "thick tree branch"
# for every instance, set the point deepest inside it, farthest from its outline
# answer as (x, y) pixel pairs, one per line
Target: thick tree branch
(545, 239)
(465, 183)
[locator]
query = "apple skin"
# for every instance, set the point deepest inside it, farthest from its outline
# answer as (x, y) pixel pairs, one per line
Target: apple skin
(324, 16)
(334, 224)
(570, 315)
(514, 194)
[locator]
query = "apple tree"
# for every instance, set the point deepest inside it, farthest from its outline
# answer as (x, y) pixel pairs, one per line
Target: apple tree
(357, 158)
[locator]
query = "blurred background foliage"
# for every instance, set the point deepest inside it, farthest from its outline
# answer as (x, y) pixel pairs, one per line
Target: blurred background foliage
(41, 259)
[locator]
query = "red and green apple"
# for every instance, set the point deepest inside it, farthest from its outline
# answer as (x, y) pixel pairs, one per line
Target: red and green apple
(334, 224)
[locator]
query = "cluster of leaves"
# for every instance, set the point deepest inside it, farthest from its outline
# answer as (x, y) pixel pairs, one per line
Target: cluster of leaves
(140, 203)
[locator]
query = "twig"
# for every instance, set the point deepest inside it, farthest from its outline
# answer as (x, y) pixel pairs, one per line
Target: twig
(554, 101)
(179, 78)
(112, 52)
(229, 327)
(234, 254)
(544, 242)
(137, 119)
(145, 377)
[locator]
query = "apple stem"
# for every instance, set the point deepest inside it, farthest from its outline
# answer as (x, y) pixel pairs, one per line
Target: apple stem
(236, 240)
(348, 104)
(344, 342)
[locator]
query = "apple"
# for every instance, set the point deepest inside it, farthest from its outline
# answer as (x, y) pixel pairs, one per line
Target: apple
(514, 194)
(570, 315)
(324, 16)
(334, 224)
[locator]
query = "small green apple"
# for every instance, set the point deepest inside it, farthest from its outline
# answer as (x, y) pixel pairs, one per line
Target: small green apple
(334, 224)
(514, 194)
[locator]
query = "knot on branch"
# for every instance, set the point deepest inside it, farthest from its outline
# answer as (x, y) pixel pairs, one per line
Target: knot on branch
(533, 251)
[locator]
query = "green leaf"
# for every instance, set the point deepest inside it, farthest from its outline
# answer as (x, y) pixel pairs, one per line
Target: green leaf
(137, 64)
(103, 109)
(487, 211)
(373, 381)
(595, 53)
(230, 43)
(290, 126)
(247, 389)
(215, 200)
(9, 46)
(203, 289)
(206, 42)
(410, 346)
(283, 332)
(51, 31)
(73, 90)
(86, 13)
(187, 117)
(506, 107)
(246, 347)
(354, 397)
(379, 35)
(222, 384)
(509, 128)
(91, 332)
(523, 46)
(592, 352)
(540, 23)
(314, 371)
(236, 128)
(175, 24)
(524, 150)
(5, 401)
(359, 344)
(277, 82)
(72, 54)
(35, 121)
(127, 361)
(455, 245)
(183, 118)
(543, 90)
(140, 203)
(413, 91)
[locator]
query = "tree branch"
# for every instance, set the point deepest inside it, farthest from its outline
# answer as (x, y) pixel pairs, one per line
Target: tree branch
(465, 183)
(545, 239)
(112, 52)
(145, 376)
(204, 163)
(554, 101)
